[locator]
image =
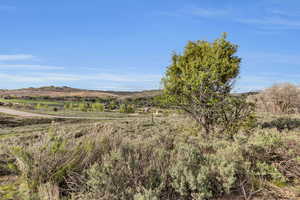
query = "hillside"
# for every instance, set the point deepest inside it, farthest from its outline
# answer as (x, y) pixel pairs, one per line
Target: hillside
(54, 92)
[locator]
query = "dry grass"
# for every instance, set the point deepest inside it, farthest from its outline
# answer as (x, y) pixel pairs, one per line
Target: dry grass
(165, 160)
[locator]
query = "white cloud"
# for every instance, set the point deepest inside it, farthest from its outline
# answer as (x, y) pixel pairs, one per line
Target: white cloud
(52, 77)
(286, 23)
(121, 87)
(196, 11)
(262, 81)
(29, 67)
(119, 82)
(35, 79)
(122, 78)
(263, 57)
(203, 12)
(285, 13)
(269, 19)
(16, 57)
(275, 19)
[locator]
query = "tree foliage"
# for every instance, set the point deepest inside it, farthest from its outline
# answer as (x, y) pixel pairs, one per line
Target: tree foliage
(200, 80)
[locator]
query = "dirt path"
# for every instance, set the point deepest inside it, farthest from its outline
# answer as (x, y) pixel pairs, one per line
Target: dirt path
(23, 114)
(28, 114)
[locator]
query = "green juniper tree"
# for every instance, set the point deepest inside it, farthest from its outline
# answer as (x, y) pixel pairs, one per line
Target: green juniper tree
(200, 80)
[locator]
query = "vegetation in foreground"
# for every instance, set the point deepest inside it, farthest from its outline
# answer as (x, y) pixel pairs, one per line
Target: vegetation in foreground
(165, 160)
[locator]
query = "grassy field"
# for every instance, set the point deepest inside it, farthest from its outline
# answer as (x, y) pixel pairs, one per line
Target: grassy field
(134, 158)
(12, 126)
(77, 113)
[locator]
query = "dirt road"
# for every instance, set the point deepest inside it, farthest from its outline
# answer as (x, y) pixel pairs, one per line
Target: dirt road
(28, 114)
(23, 114)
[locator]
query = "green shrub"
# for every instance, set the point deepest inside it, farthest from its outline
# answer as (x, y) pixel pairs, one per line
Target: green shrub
(124, 108)
(98, 107)
(282, 123)
(69, 106)
(84, 107)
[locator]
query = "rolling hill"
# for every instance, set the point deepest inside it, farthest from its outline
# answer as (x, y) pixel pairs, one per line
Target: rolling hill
(56, 92)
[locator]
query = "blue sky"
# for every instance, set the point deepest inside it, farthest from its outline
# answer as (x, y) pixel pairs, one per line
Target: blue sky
(127, 44)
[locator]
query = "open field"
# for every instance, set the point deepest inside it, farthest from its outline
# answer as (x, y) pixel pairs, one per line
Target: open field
(147, 144)
(19, 126)
(21, 113)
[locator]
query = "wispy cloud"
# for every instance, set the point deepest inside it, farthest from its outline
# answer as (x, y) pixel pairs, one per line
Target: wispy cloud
(50, 77)
(34, 79)
(204, 12)
(196, 11)
(122, 78)
(29, 67)
(274, 19)
(285, 13)
(262, 81)
(16, 57)
(129, 82)
(270, 19)
(273, 22)
(278, 58)
(122, 87)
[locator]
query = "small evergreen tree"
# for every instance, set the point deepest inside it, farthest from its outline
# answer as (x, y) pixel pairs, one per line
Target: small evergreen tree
(200, 81)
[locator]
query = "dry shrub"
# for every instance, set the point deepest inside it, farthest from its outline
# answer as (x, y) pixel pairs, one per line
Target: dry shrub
(138, 160)
(279, 99)
(54, 159)
(48, 191)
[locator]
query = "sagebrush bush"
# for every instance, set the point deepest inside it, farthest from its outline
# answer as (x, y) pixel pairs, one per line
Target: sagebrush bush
(138, 160)
(54, 159)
